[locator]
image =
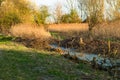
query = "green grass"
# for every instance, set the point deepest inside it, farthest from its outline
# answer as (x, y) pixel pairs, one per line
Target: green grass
(5, 39)
(18, 62)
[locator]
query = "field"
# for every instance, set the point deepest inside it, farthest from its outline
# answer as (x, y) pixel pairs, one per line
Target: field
(78, 43)
(102, 31)
(18, 62)
(28, 56)
(70, 34)
(68, 27)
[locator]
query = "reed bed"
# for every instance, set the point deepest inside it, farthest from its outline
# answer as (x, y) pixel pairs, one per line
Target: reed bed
(29, 31)
(68, 27)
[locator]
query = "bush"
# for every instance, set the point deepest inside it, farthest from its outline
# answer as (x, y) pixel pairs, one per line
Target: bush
(8, 20)
(1, 2)
(73, 17)
(40, 17)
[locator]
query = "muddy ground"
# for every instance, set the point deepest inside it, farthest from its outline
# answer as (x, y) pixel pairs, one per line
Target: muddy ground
(95, 46)
(41, 44)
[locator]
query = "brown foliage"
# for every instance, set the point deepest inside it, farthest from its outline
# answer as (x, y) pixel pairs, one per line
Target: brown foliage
(31, 35)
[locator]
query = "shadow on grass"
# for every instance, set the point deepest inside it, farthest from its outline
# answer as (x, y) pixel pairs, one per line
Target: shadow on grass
(5, 38)
(25, 65)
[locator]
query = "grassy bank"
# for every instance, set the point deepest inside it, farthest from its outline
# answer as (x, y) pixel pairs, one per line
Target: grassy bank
(18, 62)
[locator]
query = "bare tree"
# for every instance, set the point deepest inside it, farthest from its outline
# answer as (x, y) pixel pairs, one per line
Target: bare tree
(94, 10)
(71, 4)
(114, 9)
(58, 13)
(113, 12)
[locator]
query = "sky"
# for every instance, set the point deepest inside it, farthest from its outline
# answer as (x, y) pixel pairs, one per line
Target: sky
(51, 4)
(47, 2)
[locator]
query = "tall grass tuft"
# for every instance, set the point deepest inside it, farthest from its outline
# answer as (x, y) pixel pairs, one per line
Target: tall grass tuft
(29, 31)
(107, 30)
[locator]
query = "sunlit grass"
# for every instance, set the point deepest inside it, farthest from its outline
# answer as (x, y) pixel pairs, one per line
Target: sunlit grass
(104, 31)
(68, 27)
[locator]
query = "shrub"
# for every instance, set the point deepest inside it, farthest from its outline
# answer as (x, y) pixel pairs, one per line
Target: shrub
(1, 1)
(40, 17)
(72, 17)
(8, 20)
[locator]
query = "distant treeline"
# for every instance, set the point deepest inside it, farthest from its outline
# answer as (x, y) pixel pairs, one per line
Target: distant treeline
(23, 11)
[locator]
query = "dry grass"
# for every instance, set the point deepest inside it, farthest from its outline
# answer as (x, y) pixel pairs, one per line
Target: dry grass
(29, 31)
(68, 27)
(111, 30)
